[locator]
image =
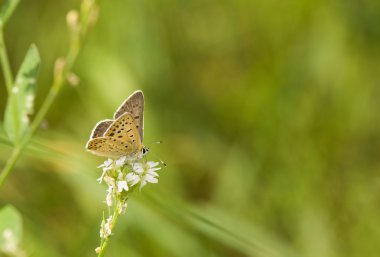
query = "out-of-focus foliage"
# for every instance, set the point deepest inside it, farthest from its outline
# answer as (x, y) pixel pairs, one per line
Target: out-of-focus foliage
(269, 113)
(20, 105)
(10, 226)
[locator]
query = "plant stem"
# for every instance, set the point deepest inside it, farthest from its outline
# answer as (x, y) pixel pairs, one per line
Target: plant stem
(10, 164)
(103, 247)
(60, 75)
(8, 77)
(54, 90)
(58, 82)
(104, 243)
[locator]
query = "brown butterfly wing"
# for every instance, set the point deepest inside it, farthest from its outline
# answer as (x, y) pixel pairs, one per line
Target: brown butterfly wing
(109, 147)
(125, 130)
(100, 128)
(135, 106)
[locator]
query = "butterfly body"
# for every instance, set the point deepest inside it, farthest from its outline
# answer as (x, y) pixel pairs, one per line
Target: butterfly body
(123, 135)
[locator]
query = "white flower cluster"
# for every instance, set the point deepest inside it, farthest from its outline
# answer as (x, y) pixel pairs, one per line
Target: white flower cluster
(122, 176)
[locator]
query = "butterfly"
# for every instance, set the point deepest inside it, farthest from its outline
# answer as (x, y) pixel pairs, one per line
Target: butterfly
(122, 135)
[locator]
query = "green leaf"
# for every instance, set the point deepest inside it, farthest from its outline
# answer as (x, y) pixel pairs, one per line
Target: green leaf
(7, 9)
(10, 223)
(21, 101)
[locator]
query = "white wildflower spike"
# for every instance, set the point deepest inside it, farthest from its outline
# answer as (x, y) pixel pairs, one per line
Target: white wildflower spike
(120, 139)
(121, 176)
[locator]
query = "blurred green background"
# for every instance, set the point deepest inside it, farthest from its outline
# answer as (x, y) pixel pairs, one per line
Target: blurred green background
(269, 114)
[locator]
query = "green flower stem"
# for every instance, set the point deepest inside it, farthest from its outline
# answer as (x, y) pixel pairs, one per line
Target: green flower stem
(104, 242)
(10, 164)
(4, 60)
(58, 82)
(54, 90)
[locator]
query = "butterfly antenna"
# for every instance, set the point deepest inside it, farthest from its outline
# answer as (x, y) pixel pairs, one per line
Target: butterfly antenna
(159, 159)
(155, 155)
(154, 142)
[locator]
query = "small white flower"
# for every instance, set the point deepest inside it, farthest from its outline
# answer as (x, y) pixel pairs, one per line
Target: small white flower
(121, 161)
(97, 249)
(109, 197)
(146, 173)
(120, 174)
(142, 184)
(122, 185)
(106, 166)
(153, 164)
(150, 174)
(132, 178)
(110, 182)
(150, 178)
(105, 228)
(122, 206)
(138, 167)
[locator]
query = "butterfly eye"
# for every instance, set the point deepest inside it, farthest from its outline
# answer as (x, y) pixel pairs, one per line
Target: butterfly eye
(145, 150)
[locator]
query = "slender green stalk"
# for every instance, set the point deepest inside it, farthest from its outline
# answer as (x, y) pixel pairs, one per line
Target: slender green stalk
(58, 82)
(4, 60)
(54, 90)
(10, 164)
(104, 242)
